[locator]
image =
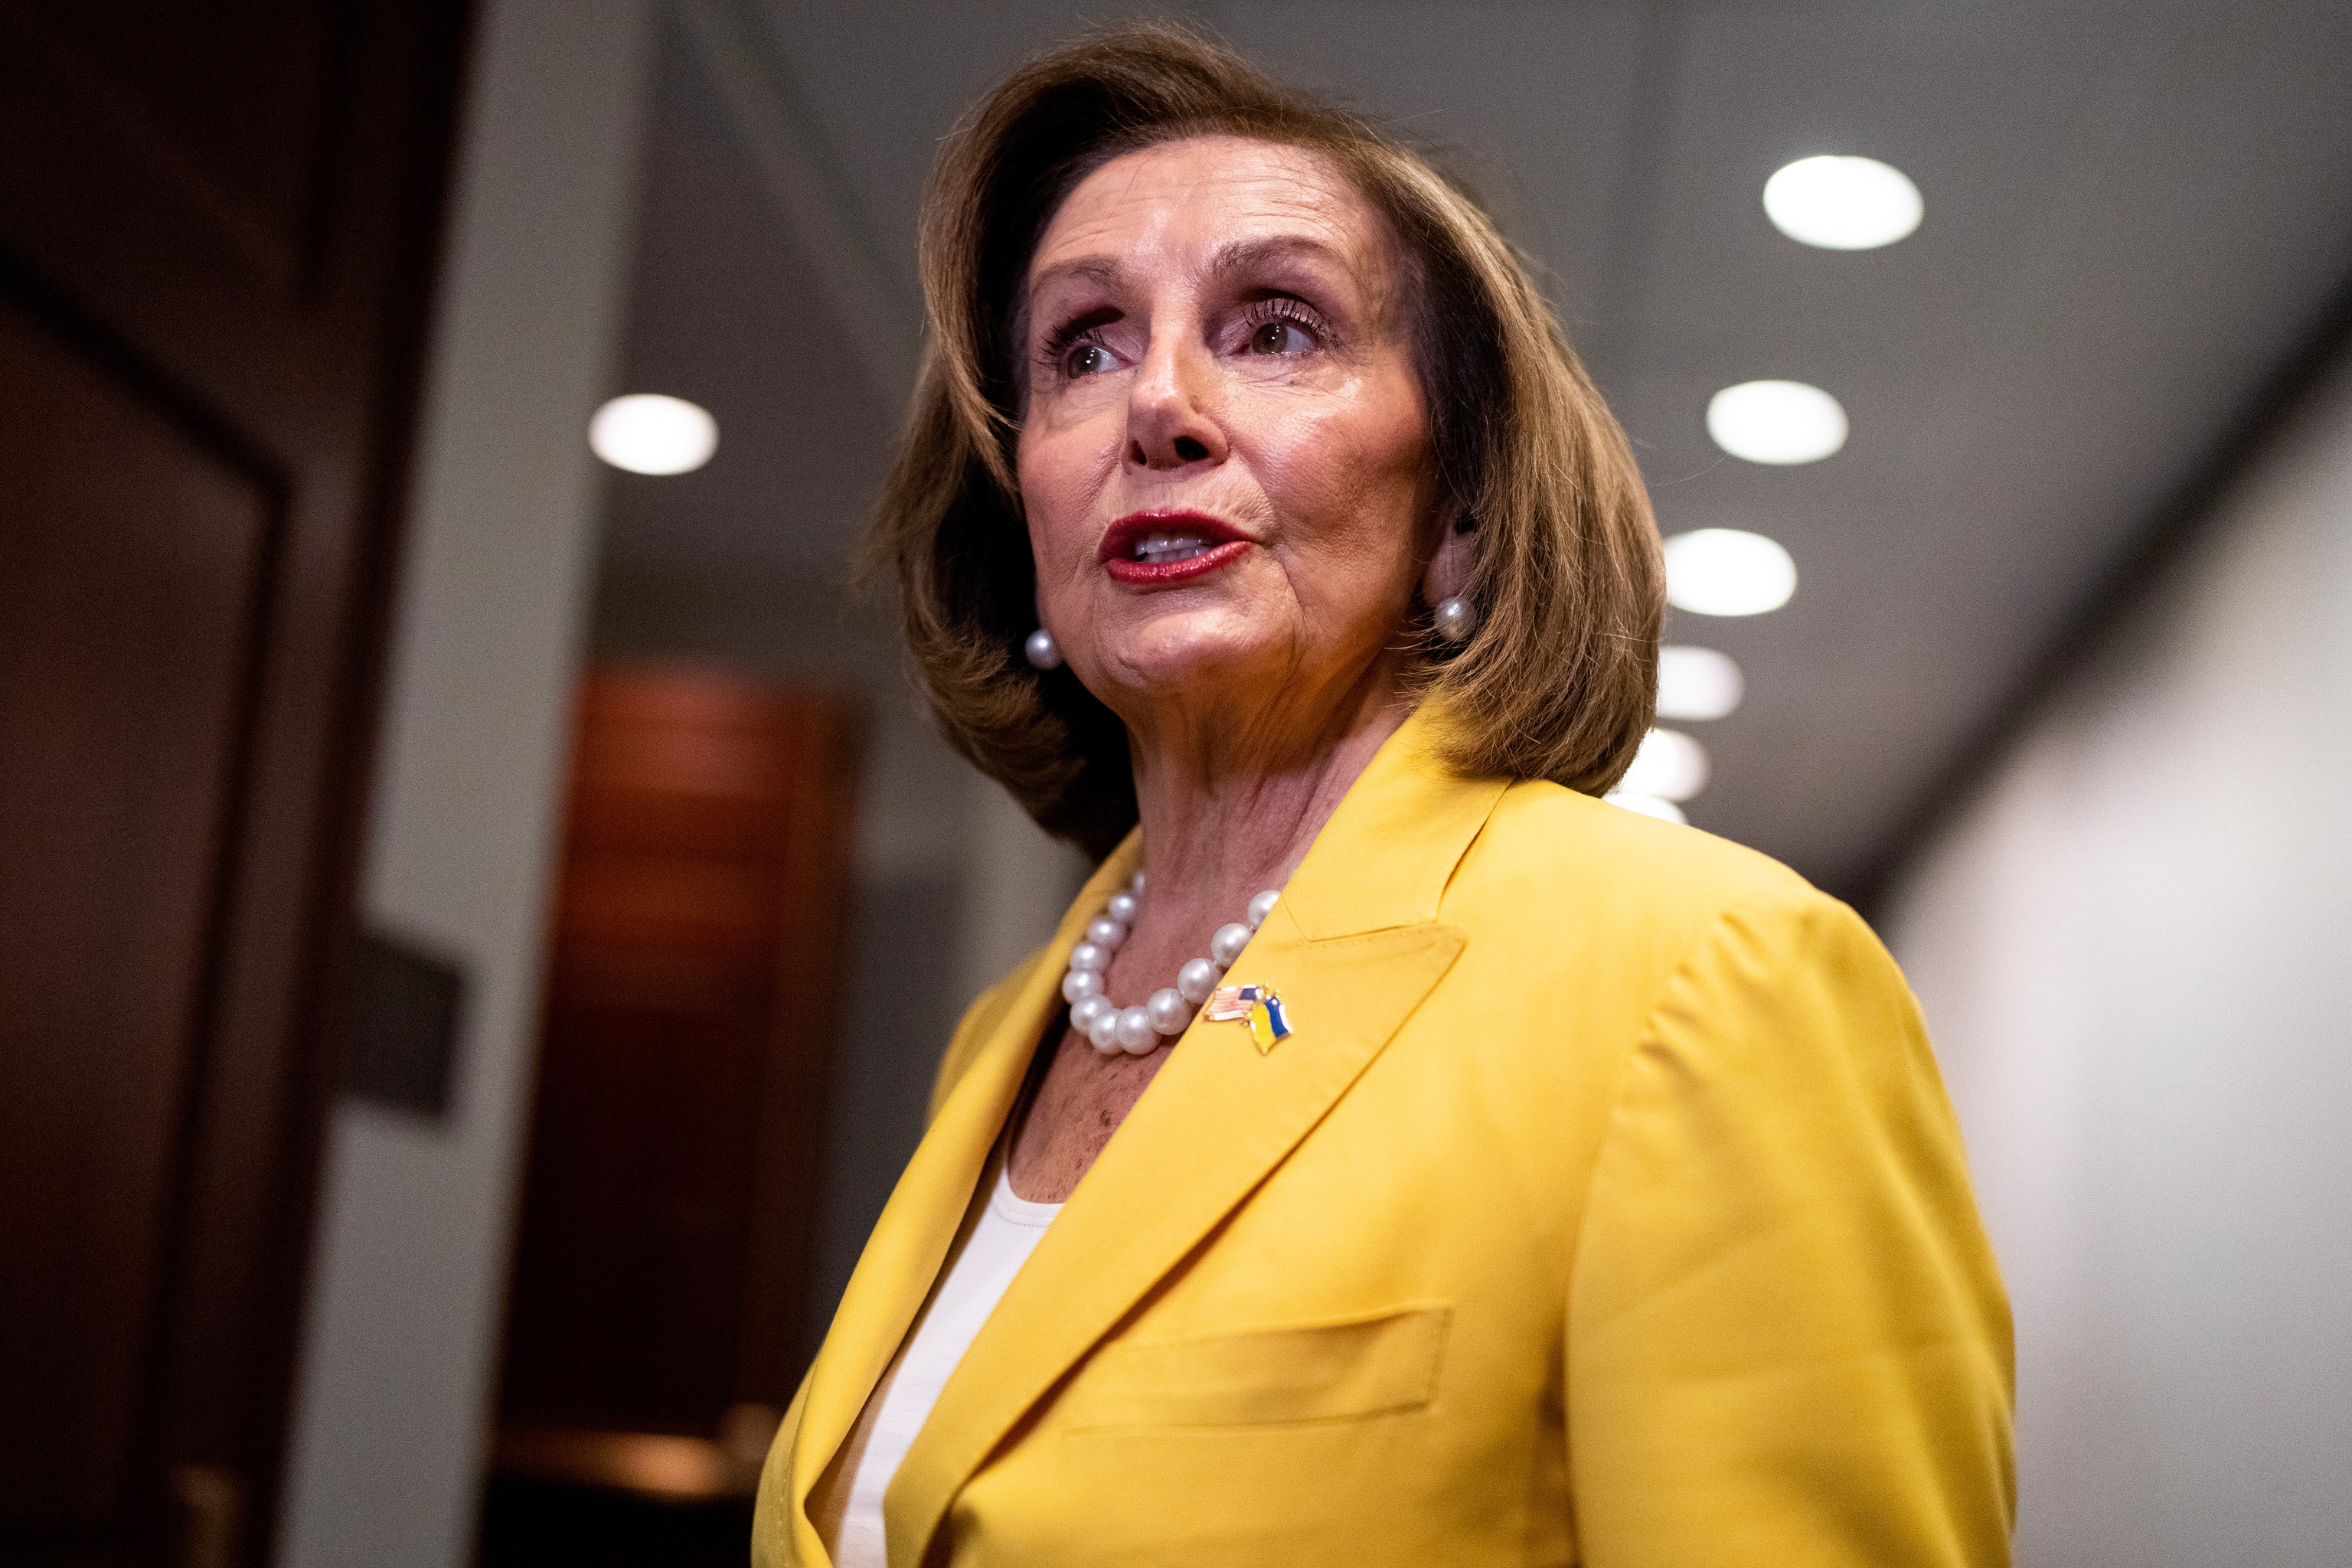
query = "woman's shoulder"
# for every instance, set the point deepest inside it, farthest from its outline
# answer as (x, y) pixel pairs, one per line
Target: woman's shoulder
(1549, 851)
(1563, 828)
(1649, 929)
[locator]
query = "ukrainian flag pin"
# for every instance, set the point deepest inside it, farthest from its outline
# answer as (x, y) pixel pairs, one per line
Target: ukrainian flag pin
(1259, 1005)
(1269, 1024)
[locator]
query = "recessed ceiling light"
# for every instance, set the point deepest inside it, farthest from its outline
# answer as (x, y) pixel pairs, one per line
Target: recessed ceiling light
(1670, 766)
(1842, 203)
(646, 433)
(1647, 805)
(1697, 683)
(1728, 571)
(1776, 422)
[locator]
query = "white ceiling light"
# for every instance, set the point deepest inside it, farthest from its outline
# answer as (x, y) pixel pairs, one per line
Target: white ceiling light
(1670, 766)
(646, 433)
(1647, 805)
(1697, 683)
(1842, 203)
(1776, 422)
(1728, 571)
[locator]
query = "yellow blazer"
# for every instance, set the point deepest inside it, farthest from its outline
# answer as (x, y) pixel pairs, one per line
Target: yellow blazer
(1604, 1207)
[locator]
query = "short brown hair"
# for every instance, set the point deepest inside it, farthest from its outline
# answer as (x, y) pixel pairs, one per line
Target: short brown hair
(1558, 679)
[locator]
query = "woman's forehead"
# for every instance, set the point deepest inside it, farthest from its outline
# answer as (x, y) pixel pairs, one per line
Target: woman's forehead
(1209, 203)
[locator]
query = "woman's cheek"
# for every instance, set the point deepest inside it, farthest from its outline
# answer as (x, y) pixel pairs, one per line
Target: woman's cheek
(1055, 494)
(1332, 483)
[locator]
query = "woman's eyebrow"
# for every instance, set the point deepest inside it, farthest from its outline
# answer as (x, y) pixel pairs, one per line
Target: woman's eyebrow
(1231, 256)
(1101, 269)
(1240, 255)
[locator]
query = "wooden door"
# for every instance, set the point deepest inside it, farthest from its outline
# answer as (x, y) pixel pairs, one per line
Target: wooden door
(663, 1264)
(216, 224)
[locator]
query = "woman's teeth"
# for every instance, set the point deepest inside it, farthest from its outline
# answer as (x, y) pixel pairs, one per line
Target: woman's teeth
(1159, 549)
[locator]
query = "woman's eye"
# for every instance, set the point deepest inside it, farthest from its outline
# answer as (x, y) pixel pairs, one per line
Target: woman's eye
(1088, 359)
(1280, 337)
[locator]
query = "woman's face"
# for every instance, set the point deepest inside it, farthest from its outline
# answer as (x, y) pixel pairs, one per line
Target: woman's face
(1224, 456)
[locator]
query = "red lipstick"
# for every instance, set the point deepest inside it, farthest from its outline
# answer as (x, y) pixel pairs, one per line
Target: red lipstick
(1160, 548)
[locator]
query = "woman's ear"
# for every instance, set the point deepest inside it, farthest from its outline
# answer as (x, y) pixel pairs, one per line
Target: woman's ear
(1448, 576)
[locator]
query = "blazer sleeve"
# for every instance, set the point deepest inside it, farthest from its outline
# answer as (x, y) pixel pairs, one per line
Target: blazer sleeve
(1786, 1340)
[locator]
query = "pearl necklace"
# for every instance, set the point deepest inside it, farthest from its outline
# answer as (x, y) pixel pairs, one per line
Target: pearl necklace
(1138, 1030)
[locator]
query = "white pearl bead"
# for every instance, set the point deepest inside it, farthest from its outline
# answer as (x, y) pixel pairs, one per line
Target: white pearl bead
(1227, 945)
(1135, 884)
(1106, 932)
(1080, 984)
(1135, 1036)
(1086, 955)
(1103, 1033)
(1197, 980)
(1263, 905)
(1169, 1011)
(1123, 908)
(1042, 650)
(1084, 1012)
(1456, 619)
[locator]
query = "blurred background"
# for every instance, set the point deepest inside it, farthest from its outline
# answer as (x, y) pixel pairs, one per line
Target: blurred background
(479, 905)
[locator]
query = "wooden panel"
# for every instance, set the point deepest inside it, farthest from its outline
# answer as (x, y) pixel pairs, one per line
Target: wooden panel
(218, 117)
(218, 222)
(665, 1244)
(131, 572)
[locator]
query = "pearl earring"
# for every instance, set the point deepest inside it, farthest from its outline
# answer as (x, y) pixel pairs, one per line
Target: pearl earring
(1456, 619)
(1042, 650)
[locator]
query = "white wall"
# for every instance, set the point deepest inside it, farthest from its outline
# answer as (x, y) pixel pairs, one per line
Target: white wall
(408, 1283)
(2134, 952)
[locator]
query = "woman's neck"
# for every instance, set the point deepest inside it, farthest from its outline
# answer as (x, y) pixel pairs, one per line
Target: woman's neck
(1231, 795)
(1229, 801)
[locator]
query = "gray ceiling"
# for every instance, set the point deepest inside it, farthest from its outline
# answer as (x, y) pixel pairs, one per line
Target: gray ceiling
(2134, 212)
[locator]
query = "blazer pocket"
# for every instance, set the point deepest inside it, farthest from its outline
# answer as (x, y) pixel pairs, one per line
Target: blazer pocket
(1370, 1366)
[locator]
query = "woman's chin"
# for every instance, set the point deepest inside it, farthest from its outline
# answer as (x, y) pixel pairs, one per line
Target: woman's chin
(1209, 654)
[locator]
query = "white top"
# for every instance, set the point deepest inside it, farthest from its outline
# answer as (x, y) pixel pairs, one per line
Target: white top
(1008, 1232)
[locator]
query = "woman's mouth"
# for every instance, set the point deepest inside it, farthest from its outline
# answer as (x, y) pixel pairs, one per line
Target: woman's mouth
(1160, 549)
(1148, 549)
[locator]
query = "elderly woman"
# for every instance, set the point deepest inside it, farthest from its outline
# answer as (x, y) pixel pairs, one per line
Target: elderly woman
(1399, 1155)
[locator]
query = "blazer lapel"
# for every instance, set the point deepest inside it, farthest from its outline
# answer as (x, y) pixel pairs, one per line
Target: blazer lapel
(902, 1258)
(1353, 949)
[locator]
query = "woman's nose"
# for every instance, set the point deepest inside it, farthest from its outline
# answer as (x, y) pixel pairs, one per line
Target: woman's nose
(1168, 422)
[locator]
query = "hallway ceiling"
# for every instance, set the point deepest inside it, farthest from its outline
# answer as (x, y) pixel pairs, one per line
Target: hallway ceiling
(2134, 212)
